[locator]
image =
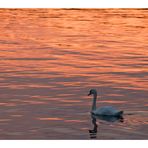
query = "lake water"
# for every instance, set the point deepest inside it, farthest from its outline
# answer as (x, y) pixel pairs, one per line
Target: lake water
(51, 58)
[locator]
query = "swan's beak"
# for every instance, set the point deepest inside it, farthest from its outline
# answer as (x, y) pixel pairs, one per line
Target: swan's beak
(89, 94)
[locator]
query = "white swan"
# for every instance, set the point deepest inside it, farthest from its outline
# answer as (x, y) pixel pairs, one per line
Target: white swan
(103, 111)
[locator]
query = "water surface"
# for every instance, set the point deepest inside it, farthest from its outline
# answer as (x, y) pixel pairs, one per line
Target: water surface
(51, 58)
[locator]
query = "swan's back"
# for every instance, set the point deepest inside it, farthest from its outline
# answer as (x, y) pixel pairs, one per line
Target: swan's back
(108, 111)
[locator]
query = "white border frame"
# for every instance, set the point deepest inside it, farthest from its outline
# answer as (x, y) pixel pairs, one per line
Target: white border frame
(73, 3)
(74, 143)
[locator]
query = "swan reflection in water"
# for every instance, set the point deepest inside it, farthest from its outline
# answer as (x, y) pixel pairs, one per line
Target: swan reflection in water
(107, 113)
(93, 132)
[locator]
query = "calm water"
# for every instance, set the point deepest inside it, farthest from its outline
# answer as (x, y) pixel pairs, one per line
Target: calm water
(51, 58)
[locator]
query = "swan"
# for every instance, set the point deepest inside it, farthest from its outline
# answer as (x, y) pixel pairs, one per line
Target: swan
(103, 111)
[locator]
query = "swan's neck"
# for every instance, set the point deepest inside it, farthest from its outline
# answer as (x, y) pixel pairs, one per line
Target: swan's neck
(94, 102)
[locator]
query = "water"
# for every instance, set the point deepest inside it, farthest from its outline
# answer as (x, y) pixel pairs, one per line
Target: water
(51, 58)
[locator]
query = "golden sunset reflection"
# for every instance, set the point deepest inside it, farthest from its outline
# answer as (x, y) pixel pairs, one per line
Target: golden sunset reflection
(50, 119)
(5, 120)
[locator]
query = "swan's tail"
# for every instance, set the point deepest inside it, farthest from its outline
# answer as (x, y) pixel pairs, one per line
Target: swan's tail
(119, 114)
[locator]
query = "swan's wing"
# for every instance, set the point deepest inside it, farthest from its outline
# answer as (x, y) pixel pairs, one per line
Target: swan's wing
(106, 110)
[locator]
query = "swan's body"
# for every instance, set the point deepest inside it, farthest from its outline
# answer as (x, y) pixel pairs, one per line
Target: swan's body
(107, 110)
(103, 111)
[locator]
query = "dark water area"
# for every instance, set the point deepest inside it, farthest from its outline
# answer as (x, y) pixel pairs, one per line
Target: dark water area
(51, 58)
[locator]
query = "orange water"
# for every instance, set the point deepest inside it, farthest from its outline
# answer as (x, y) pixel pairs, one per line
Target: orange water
(50, 58)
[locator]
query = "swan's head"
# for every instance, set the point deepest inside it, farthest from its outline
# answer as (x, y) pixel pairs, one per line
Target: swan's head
(92, 92)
